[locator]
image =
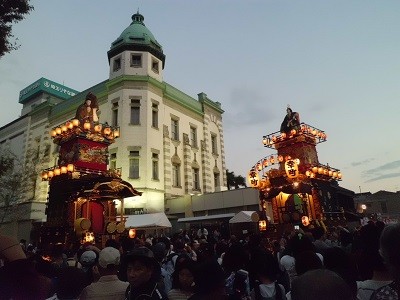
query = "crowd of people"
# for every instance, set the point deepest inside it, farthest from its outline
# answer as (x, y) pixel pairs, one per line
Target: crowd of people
(321, 263)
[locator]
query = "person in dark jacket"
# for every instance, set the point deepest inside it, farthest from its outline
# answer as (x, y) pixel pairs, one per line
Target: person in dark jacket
(142, 271)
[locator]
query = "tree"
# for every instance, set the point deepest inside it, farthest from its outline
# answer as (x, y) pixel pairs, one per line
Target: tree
(235, 181)
(11, 12)
(18, 179)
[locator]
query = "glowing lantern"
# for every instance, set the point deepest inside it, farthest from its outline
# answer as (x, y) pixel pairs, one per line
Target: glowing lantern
(334, 174)
(98, 128)
(320, 170)
(45, 176)
(293, 131)
(274, 138)
(272, 159)
(116, 133)
(53, 133)
(265, 141)
(308, 173)
(292, 169)
(305, 221)
(339, 175)
(280, 158)
(58, 130)
(259, 166)
(254, 179)
(314, 169)
(57, 171)
(63, 169)
(312, 175)
(262, 225)
(314, 132)
(107, 131)
(69, 125)
(283, 135)
(64, 128)
(330, 173)
(326, 172)
(265, 163)
(297, 161)
(132, 233)
(70, 167)
(75, 122)
(86, 126)
(50, 174)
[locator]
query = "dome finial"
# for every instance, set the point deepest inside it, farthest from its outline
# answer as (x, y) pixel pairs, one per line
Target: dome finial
(138, 18)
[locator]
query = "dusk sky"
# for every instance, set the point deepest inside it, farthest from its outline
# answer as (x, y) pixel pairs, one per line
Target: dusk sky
(335, 62)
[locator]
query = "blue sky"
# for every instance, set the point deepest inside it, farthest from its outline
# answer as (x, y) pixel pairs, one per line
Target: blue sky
(335, 62)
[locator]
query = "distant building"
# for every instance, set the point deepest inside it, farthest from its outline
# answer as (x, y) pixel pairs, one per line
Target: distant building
(171, 144)
(382, 205)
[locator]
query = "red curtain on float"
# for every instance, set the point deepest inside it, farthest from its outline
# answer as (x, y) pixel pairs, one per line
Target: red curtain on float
(96, 216)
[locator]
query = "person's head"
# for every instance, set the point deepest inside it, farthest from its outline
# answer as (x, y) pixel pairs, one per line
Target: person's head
(70, 283)
(113, 243)
(390, 248)
(183, 276)
(88, 259)
(140, 267)
(323, 283)
(159, 251)
(91, 100)
(265, 267)
(306, 261)
(109, 259)
(319, 233)
(209, 278)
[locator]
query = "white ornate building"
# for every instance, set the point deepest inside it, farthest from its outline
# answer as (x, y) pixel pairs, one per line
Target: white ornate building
(171, 144)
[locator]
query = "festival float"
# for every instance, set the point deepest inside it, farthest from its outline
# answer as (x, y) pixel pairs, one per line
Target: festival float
(301, 191)
(83, 191)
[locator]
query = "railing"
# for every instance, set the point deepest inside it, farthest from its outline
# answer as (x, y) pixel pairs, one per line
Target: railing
(313, 133)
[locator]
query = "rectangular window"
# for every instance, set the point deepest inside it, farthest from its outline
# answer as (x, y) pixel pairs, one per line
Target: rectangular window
(216, 180)
(135, 112)
(155, 66)
(117, 64)
(175, 129)
(113, 161)
(176, 175)
(214, 144)
(114, 117)
(193, 136)
(196, 179)
(154, 115)
(134, 164)
(155, 166)
(136, 60)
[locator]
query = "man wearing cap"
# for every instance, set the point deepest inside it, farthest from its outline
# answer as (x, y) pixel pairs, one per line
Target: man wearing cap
(108, 286)
(142, 271)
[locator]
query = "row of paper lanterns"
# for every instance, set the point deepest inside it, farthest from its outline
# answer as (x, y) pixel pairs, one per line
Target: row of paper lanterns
(56, 171)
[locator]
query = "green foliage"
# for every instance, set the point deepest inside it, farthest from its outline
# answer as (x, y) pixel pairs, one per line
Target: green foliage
(235, 181)
(11, 12)
(18, 180)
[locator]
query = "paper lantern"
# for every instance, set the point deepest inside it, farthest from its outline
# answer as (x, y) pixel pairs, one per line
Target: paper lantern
(253, 179)
(58, 130)
(87, 126)
(132, 233)
(70, 167)
(57, 171)
(63, 169)
(107, 131)
(75, 122)
(116, 133)
(53, 133)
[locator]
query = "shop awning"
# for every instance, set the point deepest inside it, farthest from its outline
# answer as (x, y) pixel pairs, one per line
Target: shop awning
(245, 216)
(204, 218)
(156, 220)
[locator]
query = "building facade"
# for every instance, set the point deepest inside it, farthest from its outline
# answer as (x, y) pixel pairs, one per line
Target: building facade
(171, 144)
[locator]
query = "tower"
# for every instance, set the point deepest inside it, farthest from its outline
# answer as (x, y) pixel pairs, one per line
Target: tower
(300, 189)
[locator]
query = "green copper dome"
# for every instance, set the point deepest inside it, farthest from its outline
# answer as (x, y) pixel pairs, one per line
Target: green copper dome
(136, 37)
